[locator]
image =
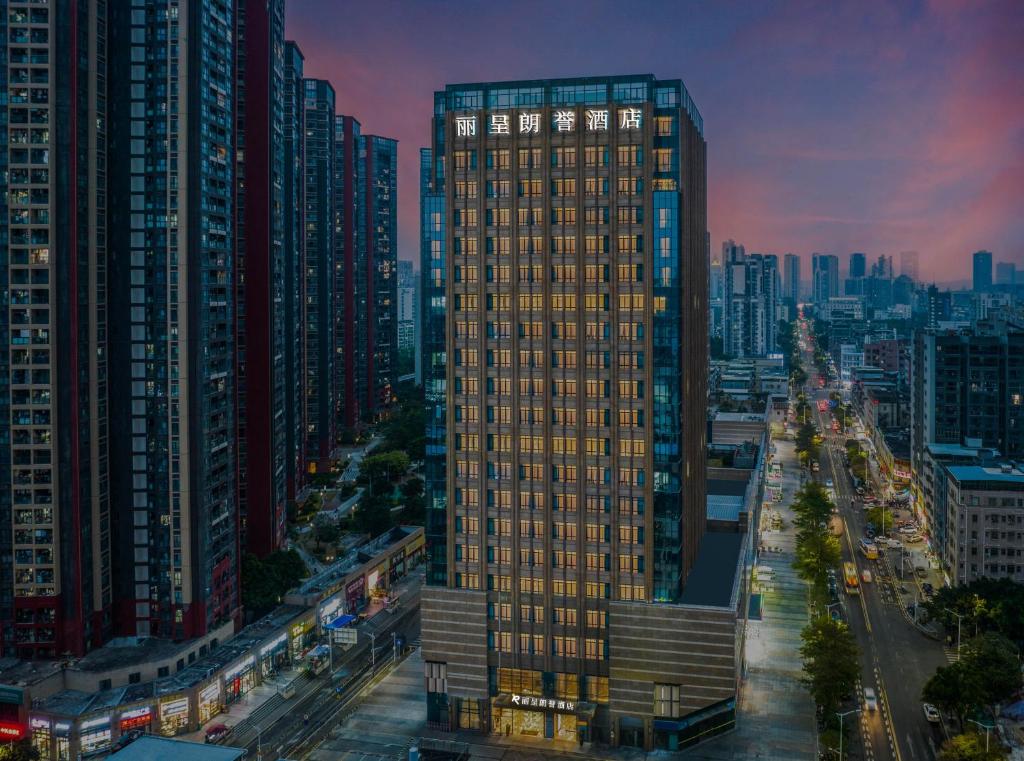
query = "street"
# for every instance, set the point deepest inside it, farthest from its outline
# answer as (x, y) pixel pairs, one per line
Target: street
(896, 658)
(285, 727)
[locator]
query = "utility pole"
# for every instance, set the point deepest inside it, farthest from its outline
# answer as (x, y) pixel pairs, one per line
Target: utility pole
(959, 619)
(841, 716)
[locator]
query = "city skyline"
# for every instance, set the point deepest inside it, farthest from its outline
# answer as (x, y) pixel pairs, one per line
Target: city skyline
(904, 135)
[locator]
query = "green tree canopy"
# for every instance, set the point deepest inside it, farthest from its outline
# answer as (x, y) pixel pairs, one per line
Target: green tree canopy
(381, 469)
(984, 605)
(971, 747)
(954, 689)
(830, 659)
(265, 581)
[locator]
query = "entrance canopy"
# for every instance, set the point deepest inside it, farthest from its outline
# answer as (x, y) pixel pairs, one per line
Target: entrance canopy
(341, 621)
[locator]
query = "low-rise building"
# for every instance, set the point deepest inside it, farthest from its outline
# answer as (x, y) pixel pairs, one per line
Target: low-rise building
(985, 515)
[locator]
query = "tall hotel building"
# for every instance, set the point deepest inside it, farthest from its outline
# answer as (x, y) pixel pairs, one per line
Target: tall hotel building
(565, 369)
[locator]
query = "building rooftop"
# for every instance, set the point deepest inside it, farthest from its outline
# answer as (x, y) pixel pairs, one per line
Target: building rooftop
(1004, 476)
(154, 748)
(727, 487)
(724, 507)
(959, 450)
(340, 568)
(713, 576)
(739, 417)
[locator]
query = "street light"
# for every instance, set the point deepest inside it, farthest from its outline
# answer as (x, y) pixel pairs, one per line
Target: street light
(959, 618)
(841, 717)
(986, 727)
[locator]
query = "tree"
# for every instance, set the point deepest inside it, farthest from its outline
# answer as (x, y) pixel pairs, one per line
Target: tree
(830, 659)
(265, 581)
(880, 517)
(805, 439)
(971, 747)
(22, 750)
(954, 689)
(373, 514)
(405, 429)
(994, 660)
(381, 469)
(816, 552)
(984, 605)
(812, 505)
(326, 531)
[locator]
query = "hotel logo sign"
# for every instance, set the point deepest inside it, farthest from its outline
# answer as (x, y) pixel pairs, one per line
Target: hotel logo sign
(562, 120)
(548, 704)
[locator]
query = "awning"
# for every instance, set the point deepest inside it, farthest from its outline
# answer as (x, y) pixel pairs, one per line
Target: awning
(341, 621)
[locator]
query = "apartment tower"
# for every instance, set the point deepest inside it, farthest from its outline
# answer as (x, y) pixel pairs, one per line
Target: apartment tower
(565, 369)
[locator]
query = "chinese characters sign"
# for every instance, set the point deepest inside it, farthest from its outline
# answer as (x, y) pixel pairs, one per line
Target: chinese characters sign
(551, 704)
(562, 120)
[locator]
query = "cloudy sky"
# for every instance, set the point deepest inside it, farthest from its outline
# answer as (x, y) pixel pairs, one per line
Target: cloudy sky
(835, 127)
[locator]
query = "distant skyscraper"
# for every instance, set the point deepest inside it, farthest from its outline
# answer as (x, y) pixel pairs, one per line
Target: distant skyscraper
(1006, 273)
(909, 265)
(982, 271)
(825, 271)
(791, 279)
(571, 313)
(320, 388)
(939, 306)
(262, 384)
(858, 265)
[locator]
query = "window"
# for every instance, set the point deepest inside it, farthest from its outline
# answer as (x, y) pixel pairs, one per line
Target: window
(666, 701)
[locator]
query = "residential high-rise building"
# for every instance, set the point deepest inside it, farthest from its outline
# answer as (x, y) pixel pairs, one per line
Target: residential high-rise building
(982, 271)
(261, 334)
(565, 360)
(293, 115)
(966, 386)
(171, 300)
(351, 275)
(379, 157)
(320, 383)
(825, 273)
(791, 278)
(910, 265)
(940, 307)
(750, 310)
(55, 538)
(407, 306)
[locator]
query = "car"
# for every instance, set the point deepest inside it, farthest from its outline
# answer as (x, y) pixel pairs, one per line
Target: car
(828, 483)
(931, 713)
(870, 699)
(217, 732)
(928, 588)
(836, 615)
(908, 529)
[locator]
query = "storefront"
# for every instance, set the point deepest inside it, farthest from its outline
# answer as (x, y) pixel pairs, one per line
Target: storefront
(173, 715)
(397, 564)
(62, 740)
(42, 737)
(515, 715)
(239, 679)
(94, 736)
(140, 719)
(302, 636)
(209, 701)
(377, 581)
(355, 594)
(274, 656)
(330, 609)
(676, 734)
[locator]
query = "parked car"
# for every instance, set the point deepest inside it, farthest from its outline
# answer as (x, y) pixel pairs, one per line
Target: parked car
(870, 699)
(866, 576)
(217, 732)
(928, 588)
(828, 483)
(931, 713)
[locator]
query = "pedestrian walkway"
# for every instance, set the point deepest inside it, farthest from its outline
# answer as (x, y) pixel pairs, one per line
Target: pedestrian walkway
(254, 708)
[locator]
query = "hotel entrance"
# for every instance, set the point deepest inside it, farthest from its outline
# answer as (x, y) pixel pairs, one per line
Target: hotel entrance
(529, 717)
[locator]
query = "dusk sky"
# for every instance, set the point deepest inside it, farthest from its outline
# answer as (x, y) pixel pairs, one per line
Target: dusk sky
(861, 126)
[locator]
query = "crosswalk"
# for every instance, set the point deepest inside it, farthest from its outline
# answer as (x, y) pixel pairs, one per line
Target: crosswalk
(951, 654)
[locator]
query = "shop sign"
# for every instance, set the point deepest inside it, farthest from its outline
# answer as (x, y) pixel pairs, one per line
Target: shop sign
(329, 608)
(137, 717)
(174, 707)
(562, 120)
(11, 731)
(37, 723)
(271, 646)
(904, 474)
(239, 668)
(61, 728)
(12, 695)
(97, 722)
(549, 704)
(354, 587)
(210, 693)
